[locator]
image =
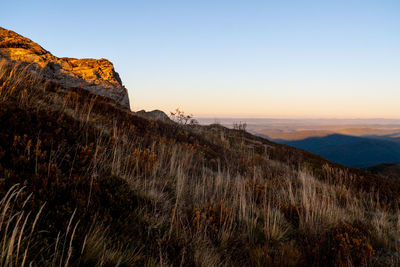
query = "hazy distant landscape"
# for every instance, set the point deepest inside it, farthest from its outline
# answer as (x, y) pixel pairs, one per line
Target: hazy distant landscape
(297, 129)
(359, 143)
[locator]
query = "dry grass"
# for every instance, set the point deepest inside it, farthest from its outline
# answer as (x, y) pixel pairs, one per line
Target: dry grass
(239, 207)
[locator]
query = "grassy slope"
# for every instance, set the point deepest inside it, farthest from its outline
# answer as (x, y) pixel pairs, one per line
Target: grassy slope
(108, 187)
(388, 170)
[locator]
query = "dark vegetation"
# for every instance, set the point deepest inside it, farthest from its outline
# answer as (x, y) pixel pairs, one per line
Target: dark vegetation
(387, 170)
(87, 183)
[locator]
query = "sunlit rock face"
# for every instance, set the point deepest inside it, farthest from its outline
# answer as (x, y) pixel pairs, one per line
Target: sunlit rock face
(95, 75)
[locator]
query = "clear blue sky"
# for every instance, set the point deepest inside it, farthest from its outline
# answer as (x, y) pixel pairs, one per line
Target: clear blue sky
(233, 58)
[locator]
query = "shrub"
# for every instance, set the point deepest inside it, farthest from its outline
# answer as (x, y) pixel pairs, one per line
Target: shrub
(349, 245)
(211, 219)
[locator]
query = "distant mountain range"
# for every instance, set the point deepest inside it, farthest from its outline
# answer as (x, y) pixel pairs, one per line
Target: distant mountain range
(358, 152)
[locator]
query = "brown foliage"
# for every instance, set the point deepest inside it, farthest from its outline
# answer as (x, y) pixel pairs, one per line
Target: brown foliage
(210, 219)
(349, 245)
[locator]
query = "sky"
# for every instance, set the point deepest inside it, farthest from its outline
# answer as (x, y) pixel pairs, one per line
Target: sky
(272, 59)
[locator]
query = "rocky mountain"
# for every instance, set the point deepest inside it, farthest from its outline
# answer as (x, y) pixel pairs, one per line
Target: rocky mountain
(95, 75)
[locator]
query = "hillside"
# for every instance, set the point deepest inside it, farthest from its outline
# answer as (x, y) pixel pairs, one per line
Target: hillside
(358, 152)
(387, 170)
(86, 182)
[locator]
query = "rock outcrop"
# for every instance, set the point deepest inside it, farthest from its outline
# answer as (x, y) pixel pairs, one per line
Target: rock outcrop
(154, 115)
(95, 75)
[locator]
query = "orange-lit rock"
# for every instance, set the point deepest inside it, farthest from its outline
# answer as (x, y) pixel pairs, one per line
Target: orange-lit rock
(95, 75)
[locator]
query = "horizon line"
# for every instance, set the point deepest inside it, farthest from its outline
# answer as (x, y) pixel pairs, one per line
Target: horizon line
(295, 118)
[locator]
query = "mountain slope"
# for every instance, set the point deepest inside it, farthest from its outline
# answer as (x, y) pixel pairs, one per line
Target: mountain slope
(388, 170)
(359, 152)
(86, 182)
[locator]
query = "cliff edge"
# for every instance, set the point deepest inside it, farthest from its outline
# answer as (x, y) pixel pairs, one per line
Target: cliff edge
(95, 75)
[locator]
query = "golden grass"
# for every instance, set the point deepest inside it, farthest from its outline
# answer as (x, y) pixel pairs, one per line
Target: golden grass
(221, 216)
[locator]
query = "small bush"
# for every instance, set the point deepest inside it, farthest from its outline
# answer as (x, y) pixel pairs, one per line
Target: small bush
(349, 245)
(211, 219)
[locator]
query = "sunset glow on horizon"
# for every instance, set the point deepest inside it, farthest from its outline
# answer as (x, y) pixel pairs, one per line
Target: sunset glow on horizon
(308, 59)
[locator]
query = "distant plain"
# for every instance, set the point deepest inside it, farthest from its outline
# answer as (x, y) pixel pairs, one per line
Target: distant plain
(359, 143)
(298, 129)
